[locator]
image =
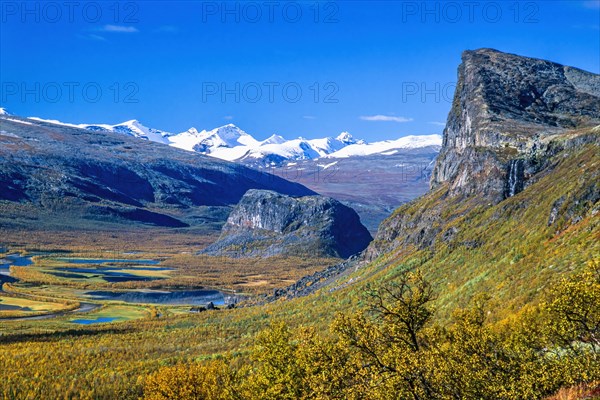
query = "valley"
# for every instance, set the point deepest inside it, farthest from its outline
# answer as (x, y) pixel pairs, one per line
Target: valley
(132, 269)
(332, 166)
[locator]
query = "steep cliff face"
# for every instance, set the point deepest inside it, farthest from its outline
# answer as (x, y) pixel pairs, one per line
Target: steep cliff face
(266, 223)
(515, 204)
(506, 108)
(512, 121)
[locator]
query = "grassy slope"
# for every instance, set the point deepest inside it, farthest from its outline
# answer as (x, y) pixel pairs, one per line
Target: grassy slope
(519, 256)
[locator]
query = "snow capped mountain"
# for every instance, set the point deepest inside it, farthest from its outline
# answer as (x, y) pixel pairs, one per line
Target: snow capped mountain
(387, 147)
(3, 111)
(227, 142)
(273, 139)
(347, 138)
(136, 129)
(276, 149)
(296, 149)
(186, 140)
(231, 143)
(132, 128)
(326, 145)
(224, 137)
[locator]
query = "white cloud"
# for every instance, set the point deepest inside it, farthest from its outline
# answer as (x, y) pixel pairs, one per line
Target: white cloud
(228, 117)
(119, 29)
(96, 37)
(436, 123)
(388, 118)
(309, 117)
(91, 36)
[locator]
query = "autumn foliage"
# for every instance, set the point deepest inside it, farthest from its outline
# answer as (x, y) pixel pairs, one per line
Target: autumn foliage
(392, 349)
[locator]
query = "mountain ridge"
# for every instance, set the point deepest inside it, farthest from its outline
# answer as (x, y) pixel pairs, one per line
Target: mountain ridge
(55, 171)
(229, 142)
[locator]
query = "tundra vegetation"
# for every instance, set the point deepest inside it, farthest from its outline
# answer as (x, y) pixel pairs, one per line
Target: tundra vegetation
(393, 349)
(483, 288)
(535, 334)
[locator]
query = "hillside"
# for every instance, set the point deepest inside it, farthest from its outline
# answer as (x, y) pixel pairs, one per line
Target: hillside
(484, 228)
(59, 176)
(512, 250)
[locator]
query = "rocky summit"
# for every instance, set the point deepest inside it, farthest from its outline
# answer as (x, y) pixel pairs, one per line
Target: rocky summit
(506, 108)
(266, 223)
(512, 121)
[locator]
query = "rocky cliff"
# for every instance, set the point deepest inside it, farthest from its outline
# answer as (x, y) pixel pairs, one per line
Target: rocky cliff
(511, 121)
(506, 108)
(266, 223)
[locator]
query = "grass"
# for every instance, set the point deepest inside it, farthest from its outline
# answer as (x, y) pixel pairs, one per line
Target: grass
(518, 256)
(120, 313)
(31, 304)
(28, 307)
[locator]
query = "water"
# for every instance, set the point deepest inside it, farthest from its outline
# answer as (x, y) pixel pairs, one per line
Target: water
(182, 297)
(103, 270)
(5, 278)
(9, 260)
(85, 307)
(15, 259)
(109, 274)
(68, 275)
(4, 269)
(99, 320)
(106, 260)
(515, 178)
(10, 307)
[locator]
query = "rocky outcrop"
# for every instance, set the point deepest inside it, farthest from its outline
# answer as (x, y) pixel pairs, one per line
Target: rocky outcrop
(309, 284)
(505, 108)
(266, 223)
(511, 116)
(514, 121)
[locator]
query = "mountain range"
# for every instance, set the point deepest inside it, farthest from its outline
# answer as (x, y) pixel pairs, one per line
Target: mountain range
(373, 178)
(231, 143)
(64, 177)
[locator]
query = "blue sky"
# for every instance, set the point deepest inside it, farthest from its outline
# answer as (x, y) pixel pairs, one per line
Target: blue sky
(378, 69)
